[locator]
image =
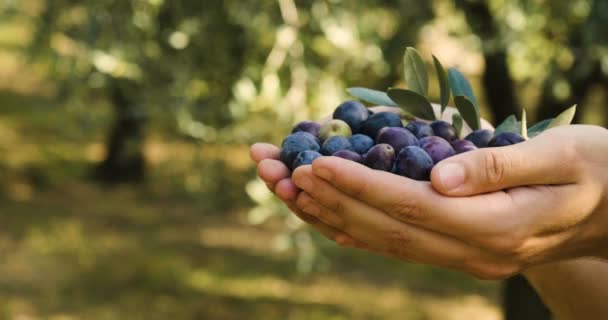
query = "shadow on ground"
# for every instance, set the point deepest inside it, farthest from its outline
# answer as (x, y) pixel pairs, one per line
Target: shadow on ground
(177, 246)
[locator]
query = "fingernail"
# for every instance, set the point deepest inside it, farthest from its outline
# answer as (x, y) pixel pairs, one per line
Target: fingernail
(451, 175)
(304, 183)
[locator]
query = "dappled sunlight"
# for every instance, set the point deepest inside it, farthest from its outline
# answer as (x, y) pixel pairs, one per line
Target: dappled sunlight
(126, 184)
(355, 296)
(129, 249)
(241, 238)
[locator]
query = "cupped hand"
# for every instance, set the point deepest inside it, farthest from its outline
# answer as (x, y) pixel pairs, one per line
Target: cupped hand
(278, 180)
(490, 212)
(277, 177)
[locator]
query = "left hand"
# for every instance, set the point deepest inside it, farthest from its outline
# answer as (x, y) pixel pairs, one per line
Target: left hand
(277, 176)
(536, 202)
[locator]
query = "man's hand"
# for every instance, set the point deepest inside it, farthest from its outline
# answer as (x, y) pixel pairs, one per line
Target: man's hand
(490, 212)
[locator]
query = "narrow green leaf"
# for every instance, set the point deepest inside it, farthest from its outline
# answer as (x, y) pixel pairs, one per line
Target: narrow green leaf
(564, 118)
(372, 96)
(414, 72)
(457, 123)
(468, 112)
(524, 124)
(510, 124)
(538, 128)
(460, 85)
(444, 84)
(413, 103)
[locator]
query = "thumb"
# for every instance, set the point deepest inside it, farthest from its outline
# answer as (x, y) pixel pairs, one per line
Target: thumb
(532, 162)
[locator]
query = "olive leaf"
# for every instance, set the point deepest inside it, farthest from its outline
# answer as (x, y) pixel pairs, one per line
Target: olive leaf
(414, 72)
(372, 96)
(464, 99)
(538, 128)
(524, 124)
(510, 124)
(564, 118)
(457, 123)
(468, 112)
(460, 86)
(444, 84)
(412, 102)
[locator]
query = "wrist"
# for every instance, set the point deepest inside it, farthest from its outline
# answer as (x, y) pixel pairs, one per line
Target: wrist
(558, 282)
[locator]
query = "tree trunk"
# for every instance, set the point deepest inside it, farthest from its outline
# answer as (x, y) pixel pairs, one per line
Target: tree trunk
(520, 301)
(124, 161)
(496, 80)
(579, 78)
(498, 86)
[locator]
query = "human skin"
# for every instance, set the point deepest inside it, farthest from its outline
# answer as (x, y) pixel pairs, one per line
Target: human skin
(528, 208)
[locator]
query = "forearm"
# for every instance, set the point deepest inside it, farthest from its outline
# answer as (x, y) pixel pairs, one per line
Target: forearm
(572, 289)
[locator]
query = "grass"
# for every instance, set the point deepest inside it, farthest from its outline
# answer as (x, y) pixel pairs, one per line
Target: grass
(177, 246)
(82, 252)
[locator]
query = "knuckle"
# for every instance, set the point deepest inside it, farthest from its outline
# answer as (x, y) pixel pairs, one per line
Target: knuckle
(302, 200)
(496, 164)
(341, 242)
(332, 219)
(406, 209)
(399, 243)
(338, 207)
(508, 245)
(494, 271)
(359, 189)
(306, 217)
(323, 215)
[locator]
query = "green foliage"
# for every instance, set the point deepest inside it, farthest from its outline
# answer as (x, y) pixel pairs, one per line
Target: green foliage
(372, 96)
(444, 85)
(468, 111)
(460, 86)
(457, 122)
(414, 72)
(464, 99)
(510, 124)
(564, 118)
(539, 127)
(524, 124)
(412, 102)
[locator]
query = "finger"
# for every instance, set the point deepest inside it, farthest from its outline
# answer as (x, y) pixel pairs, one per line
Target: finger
(261, 151)
(286, 190)
(380, 231)
(534, 162)
(272, 171)
(347, 241)
(309, 205)
(328, 232)
(411, 201)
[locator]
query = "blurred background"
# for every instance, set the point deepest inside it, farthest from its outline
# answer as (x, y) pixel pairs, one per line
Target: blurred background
(126, 189)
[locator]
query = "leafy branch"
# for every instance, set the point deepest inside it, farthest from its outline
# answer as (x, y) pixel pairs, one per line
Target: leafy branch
(415, 101)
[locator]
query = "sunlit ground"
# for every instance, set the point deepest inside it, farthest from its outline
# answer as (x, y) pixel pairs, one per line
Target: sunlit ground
(179, 245)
